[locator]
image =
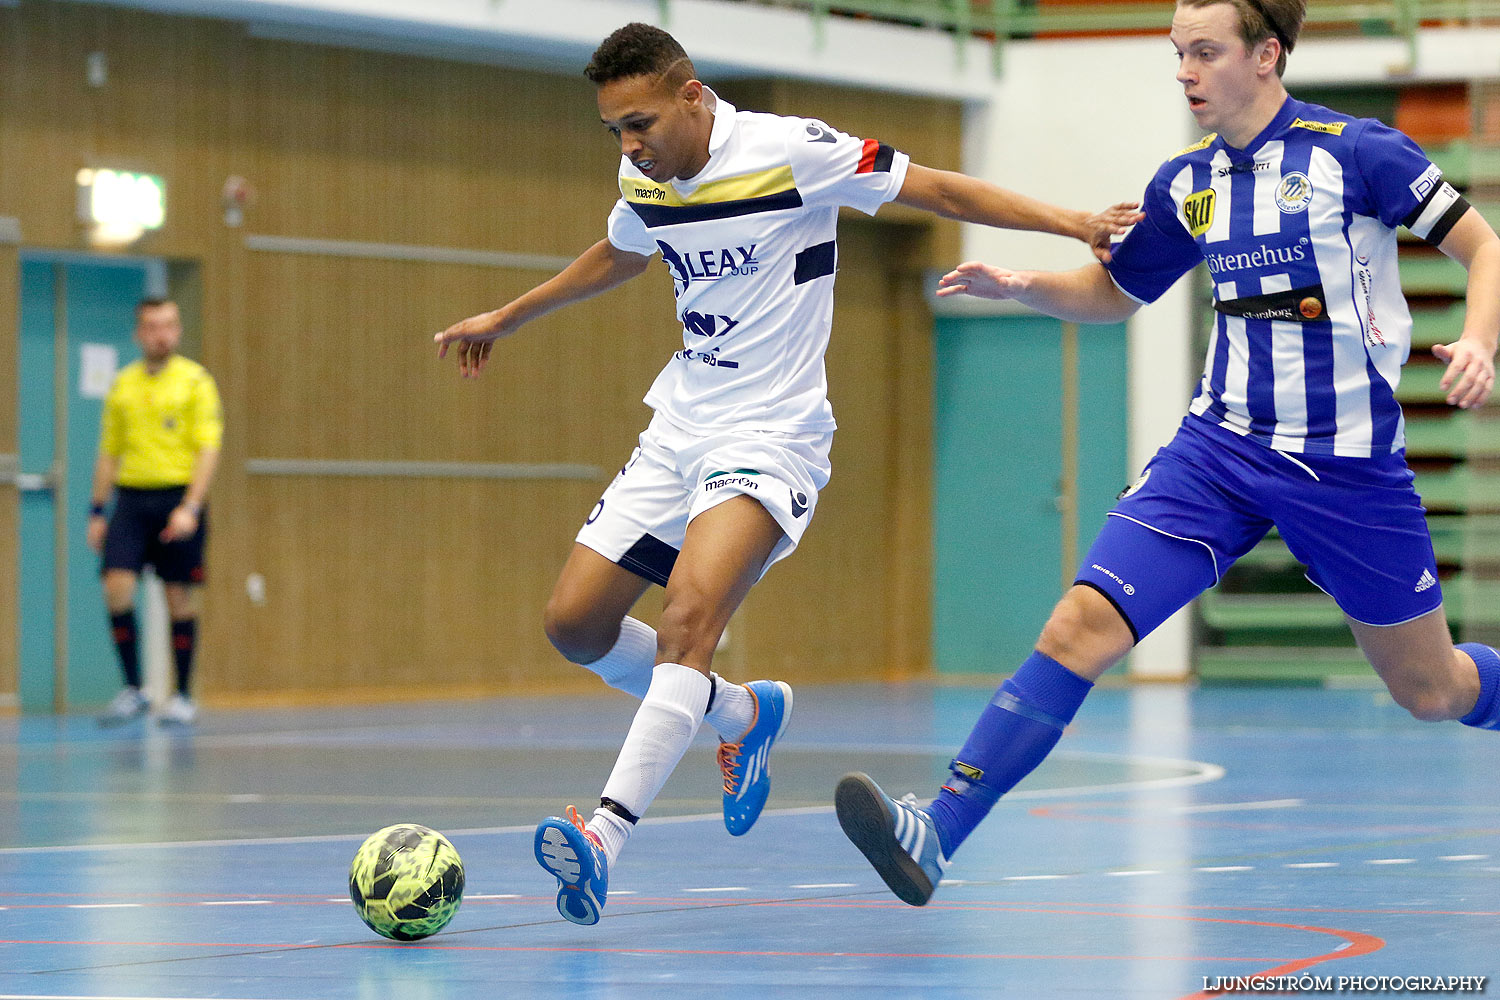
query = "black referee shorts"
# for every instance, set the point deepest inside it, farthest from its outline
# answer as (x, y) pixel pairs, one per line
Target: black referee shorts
(134, 537)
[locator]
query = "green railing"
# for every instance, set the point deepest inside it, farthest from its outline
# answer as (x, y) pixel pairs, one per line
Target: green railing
(1007, 19)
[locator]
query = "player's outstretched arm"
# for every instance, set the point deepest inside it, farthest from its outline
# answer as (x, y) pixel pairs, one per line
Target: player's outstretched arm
(1471, 358)
(958, 196)
(598, 269)
(1087, 295)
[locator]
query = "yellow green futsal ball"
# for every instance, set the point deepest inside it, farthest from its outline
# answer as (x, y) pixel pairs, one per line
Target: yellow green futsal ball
(406, 882)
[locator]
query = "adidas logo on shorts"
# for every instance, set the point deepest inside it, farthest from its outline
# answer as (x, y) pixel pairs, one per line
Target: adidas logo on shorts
(1427, 582)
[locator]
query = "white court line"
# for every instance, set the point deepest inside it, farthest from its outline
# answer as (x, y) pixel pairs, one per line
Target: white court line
(498, 895)
(1391, 861)
(1202, 774)
(235, 902)
(825, 885)
(91, 996)
(1227, 868)
(1030, 878)
(1314, 864)
(1464, 857)
(1142, 871)
(721, 888)
(104, 906)
(1238, 806)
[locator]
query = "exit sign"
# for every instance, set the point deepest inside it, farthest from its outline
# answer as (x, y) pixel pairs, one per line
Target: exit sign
(120, 204)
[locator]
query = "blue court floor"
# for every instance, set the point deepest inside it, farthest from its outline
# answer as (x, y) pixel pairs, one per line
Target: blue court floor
(1176, 837)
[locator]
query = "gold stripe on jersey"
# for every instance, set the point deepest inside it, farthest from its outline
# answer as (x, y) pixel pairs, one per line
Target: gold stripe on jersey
(1332, 128)
(1202, 143)
(757, 184)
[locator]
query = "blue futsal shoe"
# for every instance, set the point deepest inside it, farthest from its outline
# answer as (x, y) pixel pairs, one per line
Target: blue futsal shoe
(898, 838)
(571, 853)
(747, 764)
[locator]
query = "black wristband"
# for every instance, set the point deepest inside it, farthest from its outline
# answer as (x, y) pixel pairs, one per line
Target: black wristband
(96, 510)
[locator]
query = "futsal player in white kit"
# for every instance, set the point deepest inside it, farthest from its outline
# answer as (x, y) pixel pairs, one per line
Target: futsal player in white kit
(742, 207)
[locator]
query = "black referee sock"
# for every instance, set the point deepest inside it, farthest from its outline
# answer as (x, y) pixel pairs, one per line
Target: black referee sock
(122, 630)
(184, 639)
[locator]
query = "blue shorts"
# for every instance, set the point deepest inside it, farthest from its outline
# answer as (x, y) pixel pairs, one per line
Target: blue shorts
(1210, 495)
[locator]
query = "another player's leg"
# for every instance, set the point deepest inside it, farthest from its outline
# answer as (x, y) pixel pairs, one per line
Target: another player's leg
(1092, 627)
(724, 550)
(119, 601)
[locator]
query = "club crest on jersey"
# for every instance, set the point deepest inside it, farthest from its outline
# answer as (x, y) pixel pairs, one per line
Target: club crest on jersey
(1135, 486)
(1198, 211)
(1294, 193)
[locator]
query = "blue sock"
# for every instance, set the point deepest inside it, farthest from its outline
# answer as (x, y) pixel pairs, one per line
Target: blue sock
(1017, 730)
(1486, 712)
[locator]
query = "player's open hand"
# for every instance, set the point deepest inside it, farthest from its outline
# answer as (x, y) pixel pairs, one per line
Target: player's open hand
(981, 280)
(474, 339)
(1102, 227)
(1471, 373)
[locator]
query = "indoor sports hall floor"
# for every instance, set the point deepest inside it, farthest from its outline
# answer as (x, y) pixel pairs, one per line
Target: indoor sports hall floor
(1178, 834)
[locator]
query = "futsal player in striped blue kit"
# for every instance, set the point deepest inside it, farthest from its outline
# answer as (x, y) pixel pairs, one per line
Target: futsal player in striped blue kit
(1294, 425)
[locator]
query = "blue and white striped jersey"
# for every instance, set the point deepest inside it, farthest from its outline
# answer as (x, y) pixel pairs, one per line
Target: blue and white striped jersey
(1298, 230)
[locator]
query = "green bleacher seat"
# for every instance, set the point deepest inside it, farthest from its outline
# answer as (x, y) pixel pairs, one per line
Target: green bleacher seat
(1422, 383)
(1457, 434)
(1430, 273)
(1435, 326)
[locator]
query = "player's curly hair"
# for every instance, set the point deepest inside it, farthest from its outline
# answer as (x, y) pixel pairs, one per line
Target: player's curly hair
(639, 50)
(1262, 19)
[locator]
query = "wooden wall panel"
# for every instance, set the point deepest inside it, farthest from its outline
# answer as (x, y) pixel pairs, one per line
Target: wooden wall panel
(372, 583)
(865, 562)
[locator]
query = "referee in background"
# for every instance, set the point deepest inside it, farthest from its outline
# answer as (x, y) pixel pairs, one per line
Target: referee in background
(158, 448)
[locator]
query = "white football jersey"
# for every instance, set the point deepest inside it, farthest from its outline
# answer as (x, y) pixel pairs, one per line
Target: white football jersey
(750, 243)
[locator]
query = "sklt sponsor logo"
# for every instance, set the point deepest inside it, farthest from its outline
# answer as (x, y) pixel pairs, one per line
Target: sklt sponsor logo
(1198, 211)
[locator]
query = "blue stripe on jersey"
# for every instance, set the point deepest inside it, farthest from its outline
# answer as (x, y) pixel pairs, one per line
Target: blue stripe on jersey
(1384, 410)
(1260, 389)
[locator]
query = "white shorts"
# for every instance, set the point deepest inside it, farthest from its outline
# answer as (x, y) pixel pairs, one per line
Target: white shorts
(675, 475)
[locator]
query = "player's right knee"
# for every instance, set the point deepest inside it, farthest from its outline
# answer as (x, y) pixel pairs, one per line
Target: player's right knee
(576, 636)
(1083, 637)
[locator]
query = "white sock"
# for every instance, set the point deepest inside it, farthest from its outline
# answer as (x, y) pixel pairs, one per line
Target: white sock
(733, 711)
(612, 832)
(627, 666)
(664, 726)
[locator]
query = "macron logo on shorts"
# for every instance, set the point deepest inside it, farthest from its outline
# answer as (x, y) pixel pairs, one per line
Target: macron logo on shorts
(1427, 582)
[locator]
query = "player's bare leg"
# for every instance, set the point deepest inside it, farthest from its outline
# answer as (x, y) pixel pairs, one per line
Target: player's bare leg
(586, 621)
(1425, 674)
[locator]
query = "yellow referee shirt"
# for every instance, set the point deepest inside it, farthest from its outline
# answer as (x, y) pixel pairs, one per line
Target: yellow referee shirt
(156, 424)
